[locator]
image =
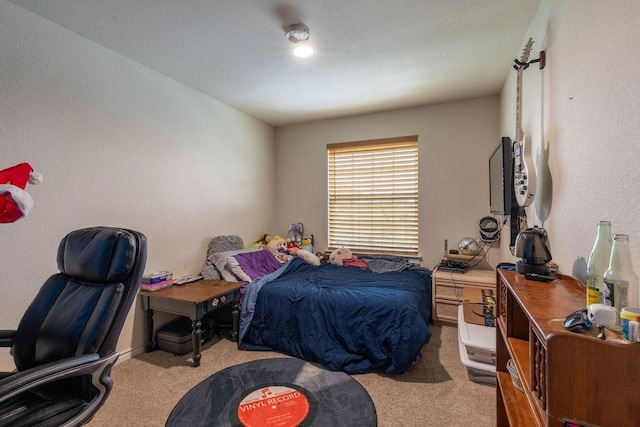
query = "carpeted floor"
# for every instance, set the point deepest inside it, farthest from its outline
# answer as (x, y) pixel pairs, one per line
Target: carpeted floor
(436, 393)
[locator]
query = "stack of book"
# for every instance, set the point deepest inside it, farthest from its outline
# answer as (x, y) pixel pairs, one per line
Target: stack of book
(157, 280)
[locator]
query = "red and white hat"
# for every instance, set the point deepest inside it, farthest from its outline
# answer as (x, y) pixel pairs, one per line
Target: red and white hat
(15, 202)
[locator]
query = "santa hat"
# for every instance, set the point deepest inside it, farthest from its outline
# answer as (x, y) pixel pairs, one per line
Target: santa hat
(15, 202)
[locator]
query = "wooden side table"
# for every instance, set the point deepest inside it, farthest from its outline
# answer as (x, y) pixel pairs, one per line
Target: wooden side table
(193, 300)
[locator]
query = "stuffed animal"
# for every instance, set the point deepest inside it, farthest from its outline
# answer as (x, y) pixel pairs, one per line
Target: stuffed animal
(266, 238)
(338, 256)
(278, 247)
(294, 236)
(306, 244)
(291, 245)
(322, 256)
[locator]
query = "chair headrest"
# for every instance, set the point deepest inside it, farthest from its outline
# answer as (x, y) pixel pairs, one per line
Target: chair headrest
(97, 254)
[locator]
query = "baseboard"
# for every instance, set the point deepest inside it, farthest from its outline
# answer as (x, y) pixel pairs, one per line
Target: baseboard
(128, 354)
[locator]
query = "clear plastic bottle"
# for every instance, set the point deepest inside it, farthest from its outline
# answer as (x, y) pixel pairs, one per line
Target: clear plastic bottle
(598, 262)
(620, 281)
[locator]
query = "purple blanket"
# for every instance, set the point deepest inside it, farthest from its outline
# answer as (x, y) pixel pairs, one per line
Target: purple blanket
(257, 264)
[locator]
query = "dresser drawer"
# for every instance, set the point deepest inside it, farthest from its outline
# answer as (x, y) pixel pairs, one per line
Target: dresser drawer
(482, 278)
(446, 311)
(448, 291)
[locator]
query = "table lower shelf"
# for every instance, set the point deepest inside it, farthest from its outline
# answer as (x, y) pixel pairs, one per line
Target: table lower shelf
(514, 402)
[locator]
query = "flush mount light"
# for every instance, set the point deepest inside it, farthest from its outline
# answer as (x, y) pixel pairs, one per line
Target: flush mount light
(297, 33)
(303, 50)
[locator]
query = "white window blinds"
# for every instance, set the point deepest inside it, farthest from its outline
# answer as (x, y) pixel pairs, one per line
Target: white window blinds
(373, 195)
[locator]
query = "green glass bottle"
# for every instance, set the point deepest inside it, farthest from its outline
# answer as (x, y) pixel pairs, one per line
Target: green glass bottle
(620, 282)
(598, 262)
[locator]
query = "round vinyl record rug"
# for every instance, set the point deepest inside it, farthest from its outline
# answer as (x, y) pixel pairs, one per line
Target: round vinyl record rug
(278, 392)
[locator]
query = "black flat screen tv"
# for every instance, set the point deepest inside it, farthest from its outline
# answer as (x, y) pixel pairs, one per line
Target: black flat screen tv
(500, 177)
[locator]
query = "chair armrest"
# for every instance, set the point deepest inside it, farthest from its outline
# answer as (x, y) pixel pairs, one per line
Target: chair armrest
(6, 337)
(74, 366)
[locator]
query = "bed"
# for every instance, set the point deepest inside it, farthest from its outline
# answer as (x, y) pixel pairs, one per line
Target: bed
(346, 318)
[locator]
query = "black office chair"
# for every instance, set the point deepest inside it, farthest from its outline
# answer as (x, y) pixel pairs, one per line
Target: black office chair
(65, 345)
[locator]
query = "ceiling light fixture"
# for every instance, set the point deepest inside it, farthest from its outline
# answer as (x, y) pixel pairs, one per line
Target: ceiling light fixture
(303, 51)
(299, 34)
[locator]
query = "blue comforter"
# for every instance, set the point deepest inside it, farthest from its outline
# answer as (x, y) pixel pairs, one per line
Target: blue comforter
(344, 318)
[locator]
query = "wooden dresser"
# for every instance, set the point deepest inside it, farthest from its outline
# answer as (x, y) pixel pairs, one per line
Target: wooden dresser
(447, 290)
(567, 377)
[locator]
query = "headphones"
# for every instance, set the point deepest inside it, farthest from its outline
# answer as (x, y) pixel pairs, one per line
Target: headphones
(489, 229)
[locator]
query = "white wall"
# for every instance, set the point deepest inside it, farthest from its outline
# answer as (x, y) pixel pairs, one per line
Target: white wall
(118, 144)
(455, 141)
(591, 122)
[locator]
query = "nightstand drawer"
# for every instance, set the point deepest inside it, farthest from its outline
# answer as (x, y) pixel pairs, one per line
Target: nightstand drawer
(446, 311)
(447, 291)
(483, 278)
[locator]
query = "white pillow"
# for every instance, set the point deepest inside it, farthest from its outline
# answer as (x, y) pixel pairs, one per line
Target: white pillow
(234, 266)
(220, 261)
(308, 257)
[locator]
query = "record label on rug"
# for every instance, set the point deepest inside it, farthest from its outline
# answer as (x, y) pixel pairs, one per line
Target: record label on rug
(273, 406)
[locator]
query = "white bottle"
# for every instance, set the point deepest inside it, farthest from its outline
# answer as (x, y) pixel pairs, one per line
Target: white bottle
(620, 281)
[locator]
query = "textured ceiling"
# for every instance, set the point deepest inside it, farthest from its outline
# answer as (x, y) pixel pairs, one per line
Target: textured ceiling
(372, 55)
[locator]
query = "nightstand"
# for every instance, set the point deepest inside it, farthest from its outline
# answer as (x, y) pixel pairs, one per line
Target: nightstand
(447, 289)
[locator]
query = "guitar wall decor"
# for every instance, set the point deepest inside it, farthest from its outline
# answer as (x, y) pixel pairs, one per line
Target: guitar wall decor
(524, 178)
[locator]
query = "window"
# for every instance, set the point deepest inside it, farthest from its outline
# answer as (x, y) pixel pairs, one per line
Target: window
(373, 195)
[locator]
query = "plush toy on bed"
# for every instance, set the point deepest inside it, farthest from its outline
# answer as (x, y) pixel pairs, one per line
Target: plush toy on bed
(344, 257)
(306, 244)
(322, 256)
(278, 246)
(266, 238)
(338, 256)
(294, 236)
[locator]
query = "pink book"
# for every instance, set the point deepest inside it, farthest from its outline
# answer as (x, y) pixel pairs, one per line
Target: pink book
(156, 286)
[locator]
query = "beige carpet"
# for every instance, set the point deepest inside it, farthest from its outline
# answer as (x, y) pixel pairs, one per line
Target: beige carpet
(437, 393)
